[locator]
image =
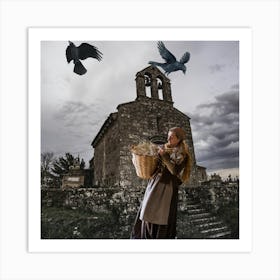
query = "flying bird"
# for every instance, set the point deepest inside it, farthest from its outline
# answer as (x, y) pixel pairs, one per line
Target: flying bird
(171, 64)
(82, 52)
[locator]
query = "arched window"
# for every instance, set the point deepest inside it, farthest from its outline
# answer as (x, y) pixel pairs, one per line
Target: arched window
(160, 87)
(148, 84)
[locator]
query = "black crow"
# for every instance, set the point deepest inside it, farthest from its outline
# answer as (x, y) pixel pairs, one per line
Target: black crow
(82, 52)
(171, 64)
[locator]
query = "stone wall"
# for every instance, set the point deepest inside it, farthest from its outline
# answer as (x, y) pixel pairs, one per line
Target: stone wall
(120, 205)
(141, 120)
(106, 156)
(215, 197)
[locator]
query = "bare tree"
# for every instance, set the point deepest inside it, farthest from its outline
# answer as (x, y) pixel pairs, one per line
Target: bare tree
(47, 159)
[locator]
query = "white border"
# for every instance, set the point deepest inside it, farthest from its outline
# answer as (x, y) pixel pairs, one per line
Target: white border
(243, 35)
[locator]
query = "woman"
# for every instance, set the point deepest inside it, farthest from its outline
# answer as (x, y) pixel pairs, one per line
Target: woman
(156, 218)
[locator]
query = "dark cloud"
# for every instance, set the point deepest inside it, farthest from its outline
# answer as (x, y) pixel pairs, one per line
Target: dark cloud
(78, 114)
(215, 128)
(72, 128)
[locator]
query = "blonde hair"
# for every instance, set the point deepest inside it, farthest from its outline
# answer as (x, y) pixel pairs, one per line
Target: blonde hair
(185, 177)
(183, 147)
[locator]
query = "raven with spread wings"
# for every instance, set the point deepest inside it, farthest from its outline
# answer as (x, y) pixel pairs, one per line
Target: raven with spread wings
(80, 53)
(171, 64)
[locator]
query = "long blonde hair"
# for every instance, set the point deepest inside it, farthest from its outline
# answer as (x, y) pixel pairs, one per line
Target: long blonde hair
(184, 149)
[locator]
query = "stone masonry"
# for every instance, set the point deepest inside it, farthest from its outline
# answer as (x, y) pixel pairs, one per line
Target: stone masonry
(146, 118)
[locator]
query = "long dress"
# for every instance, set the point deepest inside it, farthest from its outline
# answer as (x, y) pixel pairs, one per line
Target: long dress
(157, 215)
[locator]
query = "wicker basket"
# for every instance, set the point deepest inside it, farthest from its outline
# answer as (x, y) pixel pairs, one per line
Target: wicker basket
(145, 165)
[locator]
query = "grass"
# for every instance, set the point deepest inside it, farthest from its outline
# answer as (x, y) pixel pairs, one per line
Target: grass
(65, 223)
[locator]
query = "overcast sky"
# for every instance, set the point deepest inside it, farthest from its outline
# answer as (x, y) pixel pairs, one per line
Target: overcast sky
(73, 107)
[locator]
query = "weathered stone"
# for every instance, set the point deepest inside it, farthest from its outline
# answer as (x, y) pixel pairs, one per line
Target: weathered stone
(146, 118)
(120, 205)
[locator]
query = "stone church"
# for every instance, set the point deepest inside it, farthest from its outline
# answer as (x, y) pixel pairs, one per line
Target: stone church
(148, 117)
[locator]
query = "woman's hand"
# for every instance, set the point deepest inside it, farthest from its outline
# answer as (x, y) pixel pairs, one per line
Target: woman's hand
(161, 150)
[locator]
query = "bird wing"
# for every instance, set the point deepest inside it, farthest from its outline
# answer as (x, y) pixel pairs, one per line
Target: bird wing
(68, 54)
(185, 58)
(165, 53)
(87, 50)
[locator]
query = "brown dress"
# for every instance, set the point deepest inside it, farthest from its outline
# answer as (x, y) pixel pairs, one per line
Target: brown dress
(157, 215)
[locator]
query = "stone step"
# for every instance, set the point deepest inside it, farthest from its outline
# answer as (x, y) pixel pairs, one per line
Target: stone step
(193, 205)
(195, 211)
(220, 234)
(188, 209)
(214, 230)
(205, 225)
(204, 220)
(200, 215)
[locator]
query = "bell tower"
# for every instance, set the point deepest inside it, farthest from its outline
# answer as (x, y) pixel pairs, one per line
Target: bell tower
(151, 78)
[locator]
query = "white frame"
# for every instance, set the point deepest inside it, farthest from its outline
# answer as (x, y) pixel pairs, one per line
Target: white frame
(243, 35)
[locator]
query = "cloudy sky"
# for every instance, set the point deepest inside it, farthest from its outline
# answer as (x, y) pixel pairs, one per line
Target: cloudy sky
(74, 107)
